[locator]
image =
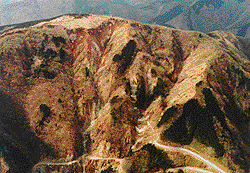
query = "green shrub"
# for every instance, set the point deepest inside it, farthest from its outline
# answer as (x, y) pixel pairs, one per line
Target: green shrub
(108, 170)
(167, 114)
(159, 89)
(58, 40)
(87, 71)
(157, 158)
(142, 97)
(126, 56)
(62, 55)
(147, 159)
(114, 99)
(45, 110)
(117, 57)
(50, 53)
(153, 71)
(48, 75)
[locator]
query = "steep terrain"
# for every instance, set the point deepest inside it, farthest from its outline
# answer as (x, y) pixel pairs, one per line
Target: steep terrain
(88, 93)
(199, 15)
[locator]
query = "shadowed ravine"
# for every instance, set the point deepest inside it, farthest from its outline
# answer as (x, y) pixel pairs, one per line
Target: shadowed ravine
(89, 93)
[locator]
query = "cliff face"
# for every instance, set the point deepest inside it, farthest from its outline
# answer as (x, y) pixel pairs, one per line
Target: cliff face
(98, 93)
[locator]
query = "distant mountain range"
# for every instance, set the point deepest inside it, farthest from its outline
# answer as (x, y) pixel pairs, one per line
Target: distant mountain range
(200, 15)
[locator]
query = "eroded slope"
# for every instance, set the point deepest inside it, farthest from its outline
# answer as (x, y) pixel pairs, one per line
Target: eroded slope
(112, 90)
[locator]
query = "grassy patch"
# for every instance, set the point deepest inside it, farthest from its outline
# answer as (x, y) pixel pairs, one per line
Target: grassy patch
(208, 151)
(180, 160)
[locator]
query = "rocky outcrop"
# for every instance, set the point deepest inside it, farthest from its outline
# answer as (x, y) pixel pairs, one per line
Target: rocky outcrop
(97, 93)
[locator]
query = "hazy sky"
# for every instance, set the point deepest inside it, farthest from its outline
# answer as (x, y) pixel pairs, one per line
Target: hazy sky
(2, 2)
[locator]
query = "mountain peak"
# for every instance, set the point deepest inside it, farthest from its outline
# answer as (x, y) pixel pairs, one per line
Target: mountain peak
(100, 93)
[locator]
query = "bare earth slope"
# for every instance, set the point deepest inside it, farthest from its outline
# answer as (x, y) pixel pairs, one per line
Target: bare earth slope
(97, 93)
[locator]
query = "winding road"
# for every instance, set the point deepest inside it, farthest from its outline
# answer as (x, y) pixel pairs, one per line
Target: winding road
(75, 161)
(183, 150)
(189, 168)
(157, 145)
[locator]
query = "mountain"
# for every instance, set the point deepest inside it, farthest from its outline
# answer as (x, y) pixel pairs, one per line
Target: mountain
(200, 15)
(241, 26)
(89, 93)
(209, 15)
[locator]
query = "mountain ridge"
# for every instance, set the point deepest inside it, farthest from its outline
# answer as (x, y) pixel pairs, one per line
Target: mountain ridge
(204, 16)
(104, 87)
